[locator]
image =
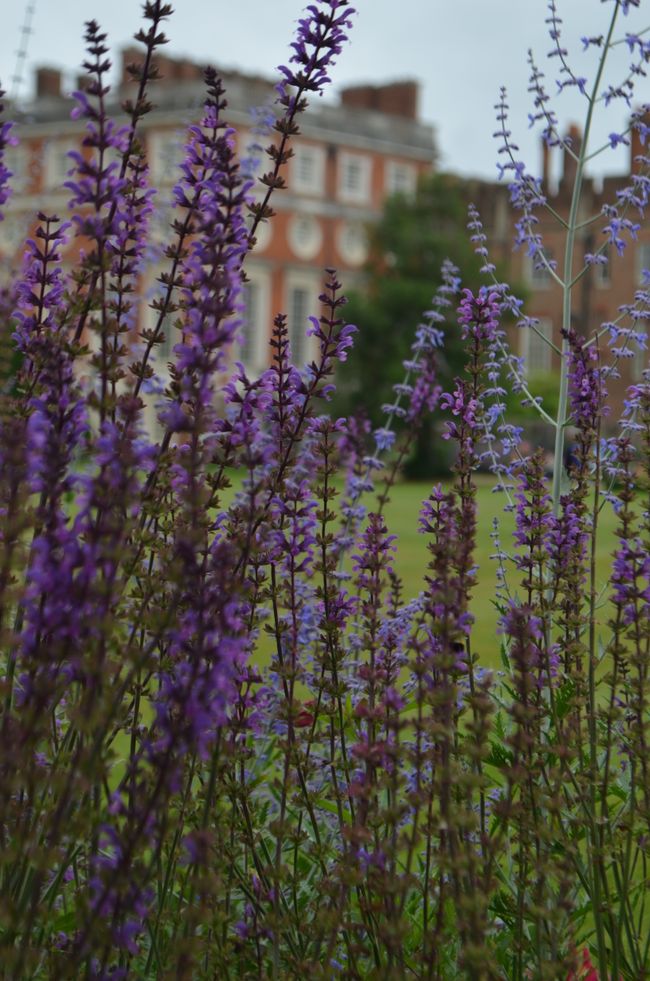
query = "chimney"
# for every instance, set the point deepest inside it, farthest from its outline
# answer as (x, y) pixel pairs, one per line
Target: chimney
(170, 70)
(130, 56)
(393, 99)
(48, 83)
(638, 148)
(569, 166)
(188, 71)
(359, 97)
(546, 164)
(399, 99)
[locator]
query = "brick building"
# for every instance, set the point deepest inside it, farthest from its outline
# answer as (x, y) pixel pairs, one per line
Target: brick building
(600, 293)
(348, 158)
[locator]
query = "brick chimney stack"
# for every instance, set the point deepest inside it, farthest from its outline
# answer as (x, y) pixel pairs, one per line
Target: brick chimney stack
(546, 163)
(569, 166)
(637, 148)
(394, 99)
(171, 69)
(48, 83)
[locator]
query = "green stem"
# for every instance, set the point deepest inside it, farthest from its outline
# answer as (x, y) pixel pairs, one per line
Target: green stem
(558, 467)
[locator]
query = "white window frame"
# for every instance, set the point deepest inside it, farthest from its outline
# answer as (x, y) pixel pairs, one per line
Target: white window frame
(308, 170)
(308, 248)
(355, 254)
(530, 341)
(165, 169)
(13, 231)
(641, 359)
(538, 276)
(603, 271)
(311, 284)
(642, 261)
(17, 160)
(351, 194)
(255, 353)
(162, 353)
(57, 164)
(400, 178)
(246, 140)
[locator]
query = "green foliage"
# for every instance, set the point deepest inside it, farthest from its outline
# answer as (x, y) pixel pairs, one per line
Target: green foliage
(407, 249)
(541, 384)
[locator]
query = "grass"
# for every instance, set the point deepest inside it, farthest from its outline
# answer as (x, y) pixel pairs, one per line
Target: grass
(402, 520)
(402, 513)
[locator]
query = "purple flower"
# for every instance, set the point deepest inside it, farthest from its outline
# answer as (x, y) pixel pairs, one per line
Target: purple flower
(384, 439)
(479, 315)
(615, 139)
(212, 271)
(586, 385)
(319, 39)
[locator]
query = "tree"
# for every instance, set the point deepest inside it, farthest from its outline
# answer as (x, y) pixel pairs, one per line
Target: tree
(407, 249)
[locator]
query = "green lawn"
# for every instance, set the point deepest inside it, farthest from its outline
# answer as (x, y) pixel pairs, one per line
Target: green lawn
(402, 519)
(402, 513)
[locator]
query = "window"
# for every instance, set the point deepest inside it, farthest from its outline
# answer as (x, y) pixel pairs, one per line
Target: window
(254, 332)
(250, 319)
(253, 158)
(163, 352)
(57, 164)
(602, 271)
(302, 291)
(643, 263)
(401, 178)
(641, 359)
(160, 223)
(538, 274)
(263, 236)
(352, 243)
(16, 159)
(354, 178)
(166, 151)
(535, 349)
(305, 236)
(298, 312)
(308, 170)
(13, 232)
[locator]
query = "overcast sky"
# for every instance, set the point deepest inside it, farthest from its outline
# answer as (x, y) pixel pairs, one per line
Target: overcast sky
(461, 51)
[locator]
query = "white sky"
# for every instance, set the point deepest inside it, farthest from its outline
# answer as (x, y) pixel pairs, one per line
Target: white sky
(461, 51)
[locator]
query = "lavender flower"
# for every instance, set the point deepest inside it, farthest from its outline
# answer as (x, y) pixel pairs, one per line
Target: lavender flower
(212, 272)
(319, 39)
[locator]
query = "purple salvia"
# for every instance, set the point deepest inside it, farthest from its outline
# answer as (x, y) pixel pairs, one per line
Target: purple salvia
(479, 316)
(211, 294)
(444, 599)
(74, 575)
(631, 581)
(587, 390)
(96, 185)
(353, 449)
(319, 39)
(523, 630)
(207, 646)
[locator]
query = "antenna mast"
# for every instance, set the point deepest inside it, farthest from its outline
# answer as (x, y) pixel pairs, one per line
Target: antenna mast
(21, 53)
